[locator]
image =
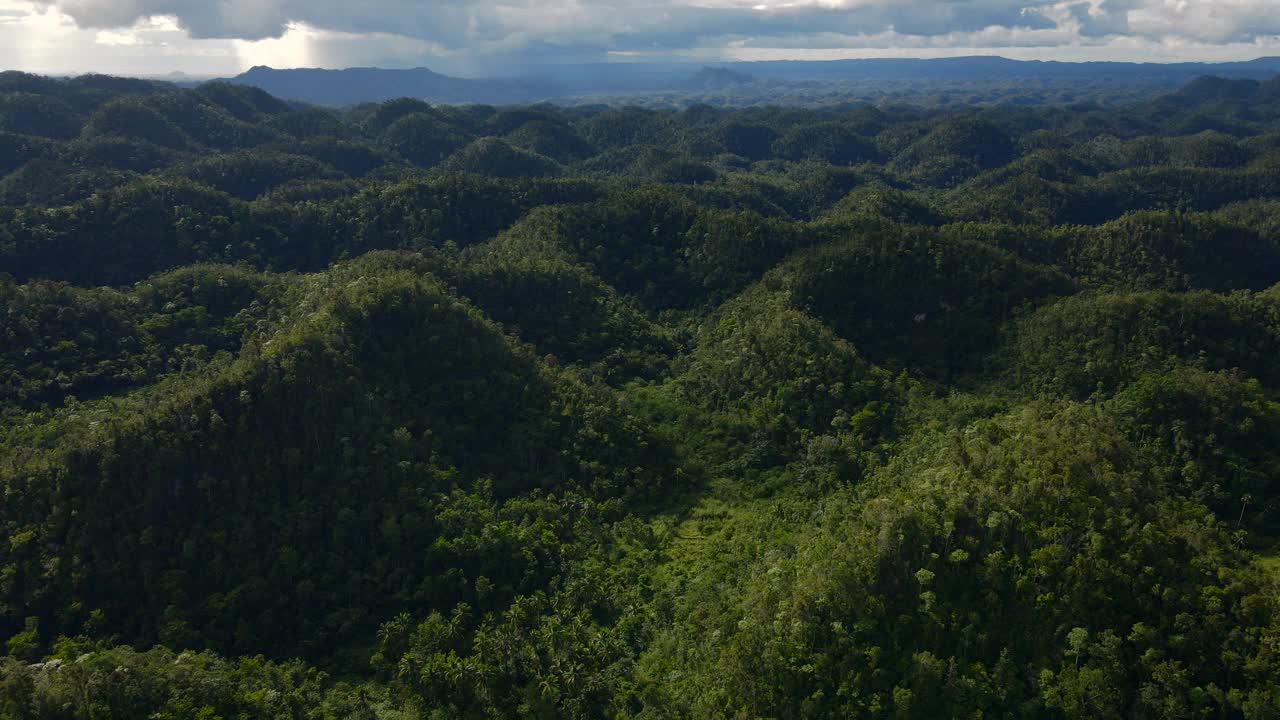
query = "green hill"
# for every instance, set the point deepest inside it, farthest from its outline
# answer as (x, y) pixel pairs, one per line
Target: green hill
(962, 409)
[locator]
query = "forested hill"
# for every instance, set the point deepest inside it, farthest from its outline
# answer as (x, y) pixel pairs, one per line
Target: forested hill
(939, 81)
(413, 410)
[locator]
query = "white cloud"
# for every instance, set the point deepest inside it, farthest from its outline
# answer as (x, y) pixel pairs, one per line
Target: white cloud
(117, 37)
(42, 39)
(1216, 21)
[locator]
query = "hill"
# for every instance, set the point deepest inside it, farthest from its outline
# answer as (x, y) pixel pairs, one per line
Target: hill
(417, 409)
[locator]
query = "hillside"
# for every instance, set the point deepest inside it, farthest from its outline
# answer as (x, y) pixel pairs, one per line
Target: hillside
(424, 410)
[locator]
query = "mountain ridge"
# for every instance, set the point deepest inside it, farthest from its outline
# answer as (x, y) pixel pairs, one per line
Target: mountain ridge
(349, 86)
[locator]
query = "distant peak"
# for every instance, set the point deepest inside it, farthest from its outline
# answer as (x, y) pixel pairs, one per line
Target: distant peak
(720, 77)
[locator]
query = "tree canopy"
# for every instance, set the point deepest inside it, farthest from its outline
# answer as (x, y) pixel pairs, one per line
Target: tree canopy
(409, 410)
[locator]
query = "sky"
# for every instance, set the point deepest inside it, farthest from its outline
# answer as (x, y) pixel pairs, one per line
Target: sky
(504, 37)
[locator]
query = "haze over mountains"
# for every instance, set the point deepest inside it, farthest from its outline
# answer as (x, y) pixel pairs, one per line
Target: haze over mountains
(749, 82)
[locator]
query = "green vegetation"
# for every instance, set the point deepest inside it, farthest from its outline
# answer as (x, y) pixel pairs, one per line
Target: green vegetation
(414, 411)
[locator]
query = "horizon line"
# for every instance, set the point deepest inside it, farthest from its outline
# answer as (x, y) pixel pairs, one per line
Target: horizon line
(161, 75)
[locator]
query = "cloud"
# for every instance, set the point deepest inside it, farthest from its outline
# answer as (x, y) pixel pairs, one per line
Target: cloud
(1108, 17)
(41, 39)
(488, 33)
(457, 23)
(1212, 21)
(503, 36)
(484, 25)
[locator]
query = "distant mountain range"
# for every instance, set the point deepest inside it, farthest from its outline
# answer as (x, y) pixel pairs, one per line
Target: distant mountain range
(356, 85)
